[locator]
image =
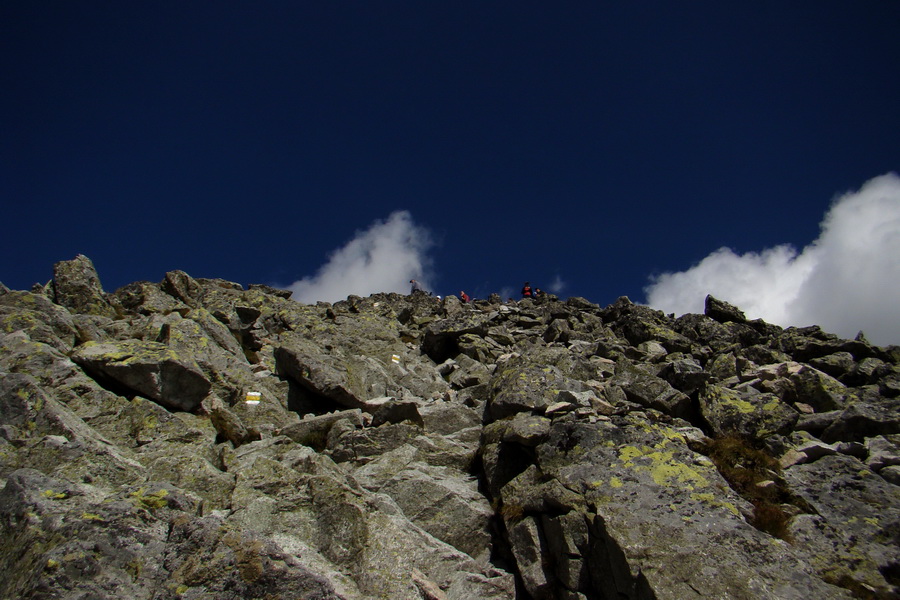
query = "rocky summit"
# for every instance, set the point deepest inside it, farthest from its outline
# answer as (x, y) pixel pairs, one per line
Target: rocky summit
(192, 439)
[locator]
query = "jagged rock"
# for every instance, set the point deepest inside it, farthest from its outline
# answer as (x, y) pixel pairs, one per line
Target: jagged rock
(482, 349)
(649, 390)
(891, 474)
(529, 550)
(217, 353)
(526, 429)
(230, 427)
(586, 399)
(647, 325)
(35, 421)
(352, 536)
(76, 286)
(685, 375)
(150, 369)
(868, 370)
(183, 287)
(748, 415)
(470, 372)
(41, 319)
(706, 331)
(53, 370)
(882, 452)
(836, 365)
(889, 385)
(323, 375)
(362, 444)
(807, 452)
(267, 289)
(764, 355)
(529, 493)
(558, 331)
(441, 500)
(397, 411)
(568, 541)
(722, 367)
(652, 352)
(816, 423)
(449, 417)
(441, 339)
(653, 497)
(142, 542)
(808, 343)
(146, 298)
(521, 386)
(817, 389)
(842, 491)
(863, 419)
(722, 312)
(313, 430)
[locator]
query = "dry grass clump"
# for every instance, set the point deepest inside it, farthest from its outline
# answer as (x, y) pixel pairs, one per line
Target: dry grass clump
(756, 477)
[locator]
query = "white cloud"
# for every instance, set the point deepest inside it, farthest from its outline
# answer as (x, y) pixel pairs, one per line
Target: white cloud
(382, 258)
(557, 285)
(847, 280)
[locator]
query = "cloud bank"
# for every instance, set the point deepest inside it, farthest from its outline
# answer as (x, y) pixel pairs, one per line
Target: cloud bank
(846, 281)
(383, 258)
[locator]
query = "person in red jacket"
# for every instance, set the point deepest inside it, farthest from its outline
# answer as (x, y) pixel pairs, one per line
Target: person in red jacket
(526, 291)
(464, 296)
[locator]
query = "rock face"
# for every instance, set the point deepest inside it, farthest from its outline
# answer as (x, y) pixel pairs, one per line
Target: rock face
(195, 439)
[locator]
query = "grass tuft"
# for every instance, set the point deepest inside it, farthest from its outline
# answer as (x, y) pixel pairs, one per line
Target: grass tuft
(745, 467)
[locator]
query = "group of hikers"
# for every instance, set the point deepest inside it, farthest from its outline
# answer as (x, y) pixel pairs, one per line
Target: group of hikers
(527, 291)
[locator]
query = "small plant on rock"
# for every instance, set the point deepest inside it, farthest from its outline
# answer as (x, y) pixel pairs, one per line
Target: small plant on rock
(756, 477)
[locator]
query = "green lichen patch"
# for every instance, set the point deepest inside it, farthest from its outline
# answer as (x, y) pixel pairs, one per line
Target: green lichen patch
(151, 501)
(53, 495)
(663, 466)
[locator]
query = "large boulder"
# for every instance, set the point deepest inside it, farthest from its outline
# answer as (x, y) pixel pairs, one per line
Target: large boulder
(41, 433)
(42, 320)
(662, 522)
(722, 311)
(443, 501)
(76, 286)
(521, 386)
(329, 377)
(748, 414)
(646, 389)
(77, 541)
(359, 539)
(852, 535)
(149, 369)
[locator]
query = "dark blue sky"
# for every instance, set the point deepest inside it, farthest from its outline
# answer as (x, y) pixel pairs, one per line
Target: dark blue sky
(598, 144)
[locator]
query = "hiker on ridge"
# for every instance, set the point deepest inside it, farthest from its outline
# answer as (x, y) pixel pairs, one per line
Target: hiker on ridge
(526, 290)
(415, 286)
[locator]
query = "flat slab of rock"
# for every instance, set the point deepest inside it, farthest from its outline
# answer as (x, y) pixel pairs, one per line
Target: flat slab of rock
(149, 369)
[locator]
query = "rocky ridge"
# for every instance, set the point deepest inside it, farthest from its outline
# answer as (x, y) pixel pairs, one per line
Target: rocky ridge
(407, 447)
